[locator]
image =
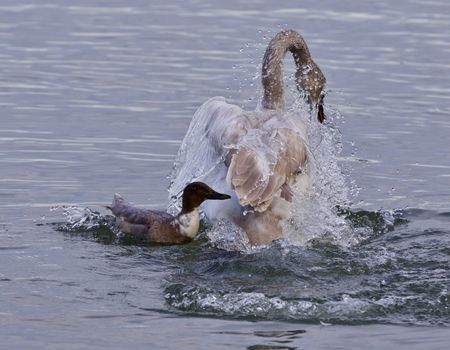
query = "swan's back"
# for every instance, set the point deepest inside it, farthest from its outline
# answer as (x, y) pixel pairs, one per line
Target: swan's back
(267, 158)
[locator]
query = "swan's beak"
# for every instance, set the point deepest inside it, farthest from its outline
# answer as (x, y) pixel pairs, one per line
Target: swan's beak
(217, 195)
(320, 113)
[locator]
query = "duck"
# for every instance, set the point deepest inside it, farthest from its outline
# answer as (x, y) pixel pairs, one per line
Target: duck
(161, 227)
(257, 157)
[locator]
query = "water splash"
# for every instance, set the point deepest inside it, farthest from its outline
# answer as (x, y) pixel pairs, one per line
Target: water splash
(314, 211)
(80, 218)
(229, 237)
(89, 223)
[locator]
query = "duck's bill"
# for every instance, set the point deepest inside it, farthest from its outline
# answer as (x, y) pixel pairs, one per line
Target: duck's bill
(219, 196)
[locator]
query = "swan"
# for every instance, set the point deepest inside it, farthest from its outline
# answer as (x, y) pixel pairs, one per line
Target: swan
(256, 157)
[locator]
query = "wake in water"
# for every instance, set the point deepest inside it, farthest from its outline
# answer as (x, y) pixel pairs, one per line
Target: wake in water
(393, 271)
(386, 277)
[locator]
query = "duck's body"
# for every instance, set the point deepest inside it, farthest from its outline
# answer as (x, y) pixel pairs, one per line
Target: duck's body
(161, 227)
(256, 157)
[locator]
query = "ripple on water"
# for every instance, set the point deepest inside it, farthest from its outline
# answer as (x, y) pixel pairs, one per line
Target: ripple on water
(392, 278)
(395, 273)
(321, 283)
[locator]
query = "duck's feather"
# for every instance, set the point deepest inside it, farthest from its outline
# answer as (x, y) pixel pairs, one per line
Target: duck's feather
(151, 225)
(121, 208)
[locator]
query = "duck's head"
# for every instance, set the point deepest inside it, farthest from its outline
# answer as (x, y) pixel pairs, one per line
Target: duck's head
(196, 193)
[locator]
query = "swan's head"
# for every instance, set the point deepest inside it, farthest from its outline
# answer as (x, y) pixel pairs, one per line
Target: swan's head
(311, 82)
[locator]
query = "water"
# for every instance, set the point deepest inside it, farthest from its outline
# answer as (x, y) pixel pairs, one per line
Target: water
(96, 99)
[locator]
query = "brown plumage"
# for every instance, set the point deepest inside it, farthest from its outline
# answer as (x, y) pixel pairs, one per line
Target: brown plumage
(161, 227)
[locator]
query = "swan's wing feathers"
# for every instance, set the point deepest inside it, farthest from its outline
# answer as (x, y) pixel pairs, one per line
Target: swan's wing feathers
(294, 153)
(263, 163)
(246, 175)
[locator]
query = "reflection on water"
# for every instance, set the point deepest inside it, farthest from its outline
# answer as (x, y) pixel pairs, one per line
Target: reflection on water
(95, 98)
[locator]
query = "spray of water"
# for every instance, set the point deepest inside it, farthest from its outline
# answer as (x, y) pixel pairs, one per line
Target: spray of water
(314, 211)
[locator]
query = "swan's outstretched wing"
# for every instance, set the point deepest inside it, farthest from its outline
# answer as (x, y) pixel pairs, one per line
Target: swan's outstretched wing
(204, 146)
(264, 164)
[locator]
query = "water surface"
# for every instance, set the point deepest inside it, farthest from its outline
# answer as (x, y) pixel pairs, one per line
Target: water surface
(96, 98)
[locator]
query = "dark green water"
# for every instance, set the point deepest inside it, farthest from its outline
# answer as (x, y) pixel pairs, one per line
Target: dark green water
(96, 97)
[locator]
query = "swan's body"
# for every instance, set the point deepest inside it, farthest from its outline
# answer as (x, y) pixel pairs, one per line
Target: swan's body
(161, 227)
(256, 157)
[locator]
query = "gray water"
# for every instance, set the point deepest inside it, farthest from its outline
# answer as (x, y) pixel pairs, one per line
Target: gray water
(95, 98)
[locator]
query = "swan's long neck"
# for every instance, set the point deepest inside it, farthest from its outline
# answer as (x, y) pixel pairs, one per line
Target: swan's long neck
(308, 76)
